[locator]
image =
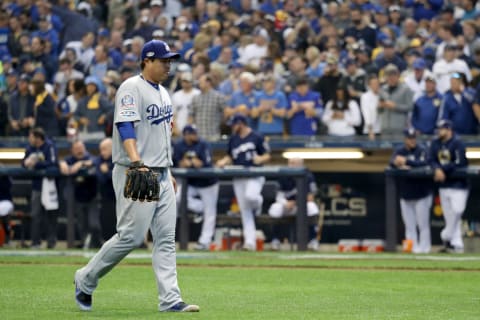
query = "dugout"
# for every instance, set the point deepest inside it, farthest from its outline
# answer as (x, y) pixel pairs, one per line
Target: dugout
(352, 190)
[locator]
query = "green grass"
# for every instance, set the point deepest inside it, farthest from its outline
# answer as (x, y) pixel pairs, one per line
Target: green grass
(253, 286)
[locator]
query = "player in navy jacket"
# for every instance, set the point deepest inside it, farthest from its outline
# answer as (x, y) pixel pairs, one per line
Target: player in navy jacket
(193, 152)
(40, 154)
(447, 155)
(6, 205)
(247, 148)
(460, 113)
(415, 194)
(103, 170)
(81, 167)
(286, 202)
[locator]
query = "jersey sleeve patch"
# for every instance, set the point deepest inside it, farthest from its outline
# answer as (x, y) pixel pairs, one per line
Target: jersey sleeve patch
(126, 108)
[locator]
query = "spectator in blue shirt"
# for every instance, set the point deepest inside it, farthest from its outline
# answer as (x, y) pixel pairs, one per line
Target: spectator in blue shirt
(244, 99)
(46, 32)
(389, 56)
(424, 9)
(305, 109)
(271, 109)
(426, 107)
(458, 106)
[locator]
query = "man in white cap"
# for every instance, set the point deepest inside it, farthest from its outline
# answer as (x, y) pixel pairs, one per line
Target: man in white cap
(181, 101)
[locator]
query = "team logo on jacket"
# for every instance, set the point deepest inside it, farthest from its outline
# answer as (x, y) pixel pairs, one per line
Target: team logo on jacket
(436, 102)
(158, 114)
(444, 156)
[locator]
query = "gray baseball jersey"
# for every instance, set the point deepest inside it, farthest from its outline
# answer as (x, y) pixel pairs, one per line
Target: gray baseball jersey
(151, 110)
(139, 102)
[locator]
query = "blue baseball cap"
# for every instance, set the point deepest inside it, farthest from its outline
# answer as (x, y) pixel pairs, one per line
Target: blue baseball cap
(104, 32)
(236, 118)
(419, 63)
(158, 49)
(444, 123)
(93, 80)
(409, 132)
(190, 128)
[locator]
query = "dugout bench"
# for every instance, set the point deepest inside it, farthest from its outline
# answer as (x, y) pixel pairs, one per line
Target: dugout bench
(299, 174)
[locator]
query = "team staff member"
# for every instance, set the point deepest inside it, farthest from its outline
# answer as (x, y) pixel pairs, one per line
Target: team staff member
(103, 170)
(415, 194)
(6, 205)
(249, 149)
(193, 152)
(142, 137)
(80, 164)
(447, 155)
(41, 154)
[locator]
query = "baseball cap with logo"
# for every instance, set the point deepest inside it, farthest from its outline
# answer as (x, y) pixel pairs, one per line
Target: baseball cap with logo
(419, 63)
(237, 118)
(189, 128)
(158, 49)
(444, 123)
(409, 132)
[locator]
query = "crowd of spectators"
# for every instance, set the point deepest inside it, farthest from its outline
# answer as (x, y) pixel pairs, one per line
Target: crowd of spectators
(293, 67)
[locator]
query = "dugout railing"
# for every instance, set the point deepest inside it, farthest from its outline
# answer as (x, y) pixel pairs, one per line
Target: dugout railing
(299, 174)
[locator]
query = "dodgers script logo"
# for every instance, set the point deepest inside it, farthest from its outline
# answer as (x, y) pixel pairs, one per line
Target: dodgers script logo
(159, 114)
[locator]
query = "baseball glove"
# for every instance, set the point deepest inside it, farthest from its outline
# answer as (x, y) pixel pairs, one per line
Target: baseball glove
(141, 184)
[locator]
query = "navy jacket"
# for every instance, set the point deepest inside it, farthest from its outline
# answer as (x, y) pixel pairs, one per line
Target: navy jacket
(411, 188)
(85, 184)
(46, 118)
(449, 156)
(104, 180)
(460, 113)
(425, 113)
(5, 188)
(47, 159)
(201, 150)
(289, 186)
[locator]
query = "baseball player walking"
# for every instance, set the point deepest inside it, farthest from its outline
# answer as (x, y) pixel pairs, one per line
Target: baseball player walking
(415, 194)
(447, 154)
(246, 148)
(193, 152)
(144, 187)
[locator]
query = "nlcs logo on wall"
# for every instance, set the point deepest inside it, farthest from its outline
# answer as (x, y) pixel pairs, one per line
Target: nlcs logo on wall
(340, 201)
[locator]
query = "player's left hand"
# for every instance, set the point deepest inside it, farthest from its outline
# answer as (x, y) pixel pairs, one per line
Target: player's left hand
(141, 183)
